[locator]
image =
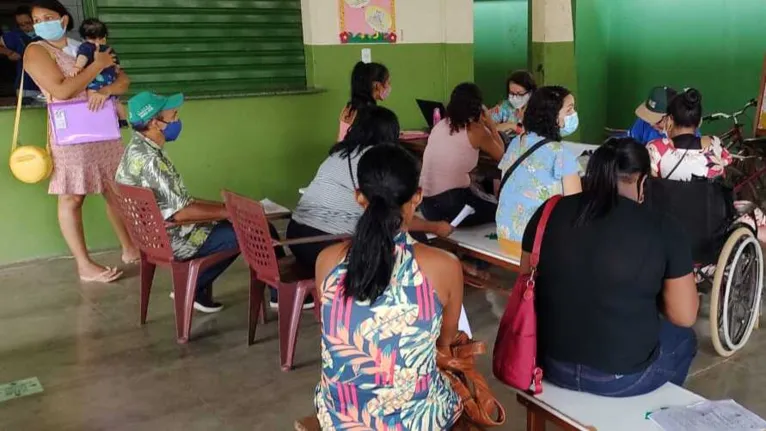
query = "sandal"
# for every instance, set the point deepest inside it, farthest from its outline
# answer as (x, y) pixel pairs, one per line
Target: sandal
(108, 276)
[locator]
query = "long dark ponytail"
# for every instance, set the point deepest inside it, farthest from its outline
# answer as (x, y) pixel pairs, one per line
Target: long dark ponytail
(619, 159)
(363, 77)
(388, 178)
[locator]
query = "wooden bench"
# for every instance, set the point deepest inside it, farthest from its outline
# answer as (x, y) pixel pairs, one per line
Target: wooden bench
(578, 411)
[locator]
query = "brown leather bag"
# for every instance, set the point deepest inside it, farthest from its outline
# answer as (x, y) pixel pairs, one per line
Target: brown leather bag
(480, 407)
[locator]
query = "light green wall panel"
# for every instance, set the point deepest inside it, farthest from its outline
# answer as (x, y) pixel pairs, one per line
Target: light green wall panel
(258, 146)
(500, 44)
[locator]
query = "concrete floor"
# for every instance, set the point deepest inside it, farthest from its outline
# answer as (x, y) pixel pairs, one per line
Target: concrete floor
(102, 371)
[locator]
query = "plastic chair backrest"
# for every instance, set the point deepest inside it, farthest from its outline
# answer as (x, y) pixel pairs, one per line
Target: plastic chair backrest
(144, 222)
(252, 229)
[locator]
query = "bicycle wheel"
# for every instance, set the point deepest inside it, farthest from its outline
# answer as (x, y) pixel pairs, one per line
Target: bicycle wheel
(735, 297)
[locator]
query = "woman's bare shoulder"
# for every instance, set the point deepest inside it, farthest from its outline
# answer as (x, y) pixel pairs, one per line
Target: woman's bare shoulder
(436, 262)
(329, 258)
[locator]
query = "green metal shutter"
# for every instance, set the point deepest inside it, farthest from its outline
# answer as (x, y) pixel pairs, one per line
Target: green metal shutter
(206, 46)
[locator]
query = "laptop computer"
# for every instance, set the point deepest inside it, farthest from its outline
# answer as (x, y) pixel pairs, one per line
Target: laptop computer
(427, 109)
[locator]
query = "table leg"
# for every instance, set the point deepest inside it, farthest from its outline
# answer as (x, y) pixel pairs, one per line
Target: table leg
(535, 420)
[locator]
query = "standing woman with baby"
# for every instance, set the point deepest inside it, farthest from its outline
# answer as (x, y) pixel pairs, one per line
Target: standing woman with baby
(85, 169)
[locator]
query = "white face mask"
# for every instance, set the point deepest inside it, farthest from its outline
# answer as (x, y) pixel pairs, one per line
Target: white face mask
(518, 101)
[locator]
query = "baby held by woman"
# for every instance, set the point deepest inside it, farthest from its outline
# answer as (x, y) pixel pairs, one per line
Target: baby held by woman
(94, 34)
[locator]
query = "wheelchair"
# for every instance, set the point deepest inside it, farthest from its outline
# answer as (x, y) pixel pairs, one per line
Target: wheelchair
(705, 209)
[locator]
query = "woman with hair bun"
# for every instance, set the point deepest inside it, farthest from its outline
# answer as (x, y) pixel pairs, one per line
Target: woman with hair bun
(684, 156)
(388, 302)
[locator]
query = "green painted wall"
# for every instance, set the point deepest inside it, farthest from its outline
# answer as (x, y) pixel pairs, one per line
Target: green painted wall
(591, 31)
(716, 46)
(500, 43)
(259, 146)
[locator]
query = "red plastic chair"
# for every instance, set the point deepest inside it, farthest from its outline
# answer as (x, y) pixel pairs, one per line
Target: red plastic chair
(147, 228)
(293, 282)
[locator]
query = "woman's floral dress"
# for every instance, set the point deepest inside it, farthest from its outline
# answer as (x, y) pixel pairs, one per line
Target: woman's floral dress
(379, 360)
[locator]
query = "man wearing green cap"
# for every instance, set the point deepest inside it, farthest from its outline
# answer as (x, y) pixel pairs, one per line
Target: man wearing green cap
(145, 163)
(652, 116)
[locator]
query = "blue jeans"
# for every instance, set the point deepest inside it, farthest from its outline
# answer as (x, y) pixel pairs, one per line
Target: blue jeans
(678, 346)
(221, 238)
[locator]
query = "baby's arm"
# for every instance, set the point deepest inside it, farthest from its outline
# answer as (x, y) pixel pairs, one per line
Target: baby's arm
(80, 63)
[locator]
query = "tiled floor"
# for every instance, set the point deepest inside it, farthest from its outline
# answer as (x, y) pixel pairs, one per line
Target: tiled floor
(102, 371)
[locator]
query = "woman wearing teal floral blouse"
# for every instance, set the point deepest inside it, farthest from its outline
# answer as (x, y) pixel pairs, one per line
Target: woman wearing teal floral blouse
(387, 303)
(509, 113)
(548, 171)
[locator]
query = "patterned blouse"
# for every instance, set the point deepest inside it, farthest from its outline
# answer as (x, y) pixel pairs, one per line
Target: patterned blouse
(145, 164)
(683, 157)
(534, 181)
(379, 360)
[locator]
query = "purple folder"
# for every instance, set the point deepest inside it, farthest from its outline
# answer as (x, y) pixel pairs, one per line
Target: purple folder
(73, 123)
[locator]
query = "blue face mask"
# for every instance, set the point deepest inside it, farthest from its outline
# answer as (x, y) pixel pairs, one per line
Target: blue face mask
(571, 122)
(172, 130)
(50, 30)
(31, 34)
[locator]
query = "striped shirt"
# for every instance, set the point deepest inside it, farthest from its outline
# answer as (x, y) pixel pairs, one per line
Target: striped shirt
(329, 203)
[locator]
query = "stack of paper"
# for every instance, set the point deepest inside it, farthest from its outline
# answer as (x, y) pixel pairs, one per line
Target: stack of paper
(708, 416)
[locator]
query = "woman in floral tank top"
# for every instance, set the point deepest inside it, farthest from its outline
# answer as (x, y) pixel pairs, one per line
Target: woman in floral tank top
(387, 302)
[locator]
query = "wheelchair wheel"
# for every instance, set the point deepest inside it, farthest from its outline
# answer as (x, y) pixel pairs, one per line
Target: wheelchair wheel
(735, 297)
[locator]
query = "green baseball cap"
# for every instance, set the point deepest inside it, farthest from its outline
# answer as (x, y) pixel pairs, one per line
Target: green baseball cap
(655, 108)
(146, 105)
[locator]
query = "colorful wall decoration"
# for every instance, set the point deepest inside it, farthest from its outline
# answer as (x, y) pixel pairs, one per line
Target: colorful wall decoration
(367, 21)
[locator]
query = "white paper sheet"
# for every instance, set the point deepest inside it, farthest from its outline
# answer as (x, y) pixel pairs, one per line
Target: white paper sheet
(463, 324)
(464, 213)
(708, 416)
(270, 207)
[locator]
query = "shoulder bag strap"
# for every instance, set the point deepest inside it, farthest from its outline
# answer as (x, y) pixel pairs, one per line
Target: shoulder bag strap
(535, 258)
(518, 161)
(677, 165)
(351, 171)
(15, 141)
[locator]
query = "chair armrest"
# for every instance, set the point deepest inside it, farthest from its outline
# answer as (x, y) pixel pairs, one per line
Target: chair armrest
(186, 223)
(312, 239)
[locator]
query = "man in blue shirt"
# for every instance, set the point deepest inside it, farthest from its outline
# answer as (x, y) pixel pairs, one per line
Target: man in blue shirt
(13, 44)
(652, 114)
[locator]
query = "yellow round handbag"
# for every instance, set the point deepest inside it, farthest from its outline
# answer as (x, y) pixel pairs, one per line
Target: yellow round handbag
(29, 163)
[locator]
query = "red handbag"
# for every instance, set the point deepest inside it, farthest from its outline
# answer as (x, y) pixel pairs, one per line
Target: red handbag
(514, 359)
